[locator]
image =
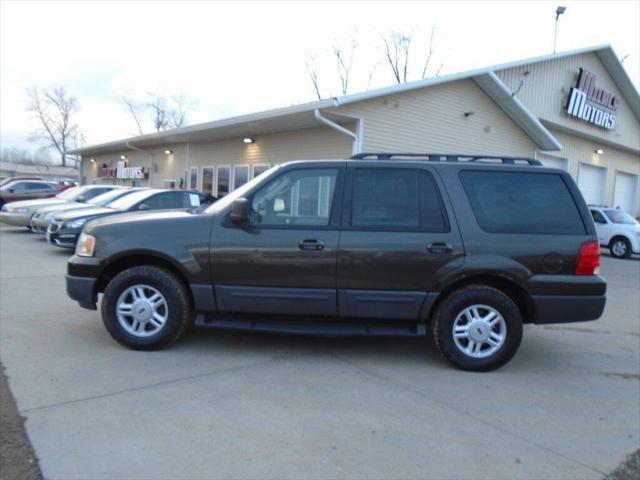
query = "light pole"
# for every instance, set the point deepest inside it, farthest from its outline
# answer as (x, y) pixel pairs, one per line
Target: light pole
(559, 11)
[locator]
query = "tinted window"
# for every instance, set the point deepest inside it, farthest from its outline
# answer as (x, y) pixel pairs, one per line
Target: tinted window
(39, 186)
(511, 202)
(298, 197)
(167, 200)
(618, 216)
(94, 192)
(386, 198)
(432, 216)
(598, 217)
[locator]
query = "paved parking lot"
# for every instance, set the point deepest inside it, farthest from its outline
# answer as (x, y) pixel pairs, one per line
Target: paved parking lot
(241, 405)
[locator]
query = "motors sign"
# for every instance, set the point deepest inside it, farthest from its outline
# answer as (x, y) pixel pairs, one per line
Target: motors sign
(134, 173)
(592, 104)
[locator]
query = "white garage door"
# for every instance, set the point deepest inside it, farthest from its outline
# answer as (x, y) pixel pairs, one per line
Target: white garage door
(624, 194)
(592, 181)
(553, 161)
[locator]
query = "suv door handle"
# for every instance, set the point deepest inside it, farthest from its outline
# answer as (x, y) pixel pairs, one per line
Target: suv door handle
(310, 244)
(439, 247)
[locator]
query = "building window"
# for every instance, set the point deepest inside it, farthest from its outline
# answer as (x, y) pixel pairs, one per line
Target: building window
(171, 183)
(259, 168)
(193, 178)
(222, 180)
(208, 174)
(240, 175)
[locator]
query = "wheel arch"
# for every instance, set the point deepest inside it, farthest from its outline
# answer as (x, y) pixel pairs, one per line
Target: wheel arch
(506, 285)
(139, 258)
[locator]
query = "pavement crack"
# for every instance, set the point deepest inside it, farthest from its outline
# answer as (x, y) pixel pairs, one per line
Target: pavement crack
(162, 383)
(466, 413)
(589, 330)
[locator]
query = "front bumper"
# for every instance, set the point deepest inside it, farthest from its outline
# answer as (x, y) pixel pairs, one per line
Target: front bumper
(39, 225)
(81, 289)
(62, 237)
(15, 219)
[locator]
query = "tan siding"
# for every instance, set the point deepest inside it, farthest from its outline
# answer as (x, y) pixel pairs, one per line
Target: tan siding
(579, 151)
(315, 143)
(432, 120)
(547, 88)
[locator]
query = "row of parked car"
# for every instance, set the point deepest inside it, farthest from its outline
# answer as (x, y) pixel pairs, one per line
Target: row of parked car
(27, 187)
(61, 217)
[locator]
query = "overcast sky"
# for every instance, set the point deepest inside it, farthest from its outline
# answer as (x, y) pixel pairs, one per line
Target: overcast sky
(242, 57)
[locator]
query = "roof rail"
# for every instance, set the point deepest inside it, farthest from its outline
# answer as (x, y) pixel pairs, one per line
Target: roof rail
(448, 157)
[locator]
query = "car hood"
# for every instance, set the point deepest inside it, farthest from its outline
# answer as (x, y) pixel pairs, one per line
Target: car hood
(85, 212)
(36, 203)
(142, 217)
(59, 207)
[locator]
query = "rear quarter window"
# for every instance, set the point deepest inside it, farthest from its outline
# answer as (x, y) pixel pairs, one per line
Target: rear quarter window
(514, 202)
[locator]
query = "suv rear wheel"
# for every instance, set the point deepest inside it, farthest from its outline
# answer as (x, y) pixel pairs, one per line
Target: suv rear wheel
(146, 308)
(620, 247)
(477, 328)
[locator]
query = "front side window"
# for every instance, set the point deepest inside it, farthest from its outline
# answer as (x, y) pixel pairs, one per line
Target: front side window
(164, 201)
(514, 202)
(299, 197)
(598, 217)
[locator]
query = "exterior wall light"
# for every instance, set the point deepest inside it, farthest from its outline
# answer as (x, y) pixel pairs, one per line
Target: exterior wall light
(599, 151)
(92, 160)
(247, 140)
(123, 157)
(168, 152)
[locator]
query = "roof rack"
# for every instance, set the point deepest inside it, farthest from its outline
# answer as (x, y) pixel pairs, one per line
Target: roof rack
(448, 157)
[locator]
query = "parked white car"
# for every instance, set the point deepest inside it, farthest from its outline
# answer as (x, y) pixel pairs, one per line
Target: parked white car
(617, 230)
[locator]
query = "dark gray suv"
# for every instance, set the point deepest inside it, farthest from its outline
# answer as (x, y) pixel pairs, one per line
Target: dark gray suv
(469, 247)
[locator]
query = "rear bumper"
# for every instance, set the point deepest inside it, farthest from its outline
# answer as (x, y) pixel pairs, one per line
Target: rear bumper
(566, 309)
(81, 289)
(567, 298)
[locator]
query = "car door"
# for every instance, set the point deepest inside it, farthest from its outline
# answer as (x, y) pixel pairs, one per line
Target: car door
(397, 238)
(284, 260)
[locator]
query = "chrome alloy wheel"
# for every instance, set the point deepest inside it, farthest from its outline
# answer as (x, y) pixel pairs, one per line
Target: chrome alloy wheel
(142, 310)
(479, 331)
(619, 248)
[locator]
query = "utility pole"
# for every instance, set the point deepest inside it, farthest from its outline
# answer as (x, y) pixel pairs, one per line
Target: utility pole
(559, 11)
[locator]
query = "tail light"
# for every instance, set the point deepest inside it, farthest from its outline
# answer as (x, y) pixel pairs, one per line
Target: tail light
(588, 259)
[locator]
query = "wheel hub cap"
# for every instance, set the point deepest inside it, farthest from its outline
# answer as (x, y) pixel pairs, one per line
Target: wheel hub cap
(479, 331)
(142, 310)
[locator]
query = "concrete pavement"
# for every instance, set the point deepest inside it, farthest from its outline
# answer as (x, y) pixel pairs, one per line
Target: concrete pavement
(242, 405)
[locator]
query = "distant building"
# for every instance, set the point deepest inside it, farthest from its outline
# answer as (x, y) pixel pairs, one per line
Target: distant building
(577, 110)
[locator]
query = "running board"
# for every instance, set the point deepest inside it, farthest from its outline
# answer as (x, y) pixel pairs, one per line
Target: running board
(314, 327)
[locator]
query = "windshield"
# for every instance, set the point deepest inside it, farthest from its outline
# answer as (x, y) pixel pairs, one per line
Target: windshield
(128, 201)
(618, 216)
(71, 194)
(105, 198)
(239, 192)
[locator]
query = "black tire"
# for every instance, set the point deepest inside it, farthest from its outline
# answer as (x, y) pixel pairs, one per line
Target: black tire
(622, 245)
(179, 317)
(454, 305)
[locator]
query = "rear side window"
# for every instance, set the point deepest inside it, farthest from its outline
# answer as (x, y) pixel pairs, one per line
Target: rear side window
(513, 202)
(388, 198)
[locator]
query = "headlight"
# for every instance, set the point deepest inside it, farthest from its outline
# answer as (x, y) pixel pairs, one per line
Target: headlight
(18, 210)
(5, 208)
(85, 245)
(76, 223)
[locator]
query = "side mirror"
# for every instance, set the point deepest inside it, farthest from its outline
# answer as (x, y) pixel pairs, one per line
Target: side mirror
(11, 190)
(240, 210)
(143, 206)
(278, 205)
(81, 199)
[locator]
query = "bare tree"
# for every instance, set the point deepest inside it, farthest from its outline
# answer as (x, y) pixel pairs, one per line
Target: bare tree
(396, 49)
(162, 112)
(429, 53)
(55, 110)
(312, 70)
(135, 109)
(344, 61)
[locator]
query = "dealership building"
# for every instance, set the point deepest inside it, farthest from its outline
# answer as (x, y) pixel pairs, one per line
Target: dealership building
(576, 110)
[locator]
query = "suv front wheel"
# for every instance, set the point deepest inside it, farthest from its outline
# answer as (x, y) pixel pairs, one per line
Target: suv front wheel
(477, 328)
(620, 247)
(146, 308)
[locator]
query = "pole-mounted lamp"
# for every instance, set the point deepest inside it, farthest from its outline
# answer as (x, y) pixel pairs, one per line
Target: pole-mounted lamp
(559, 11)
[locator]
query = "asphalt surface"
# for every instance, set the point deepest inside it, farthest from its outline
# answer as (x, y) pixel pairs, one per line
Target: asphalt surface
(242, 405)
